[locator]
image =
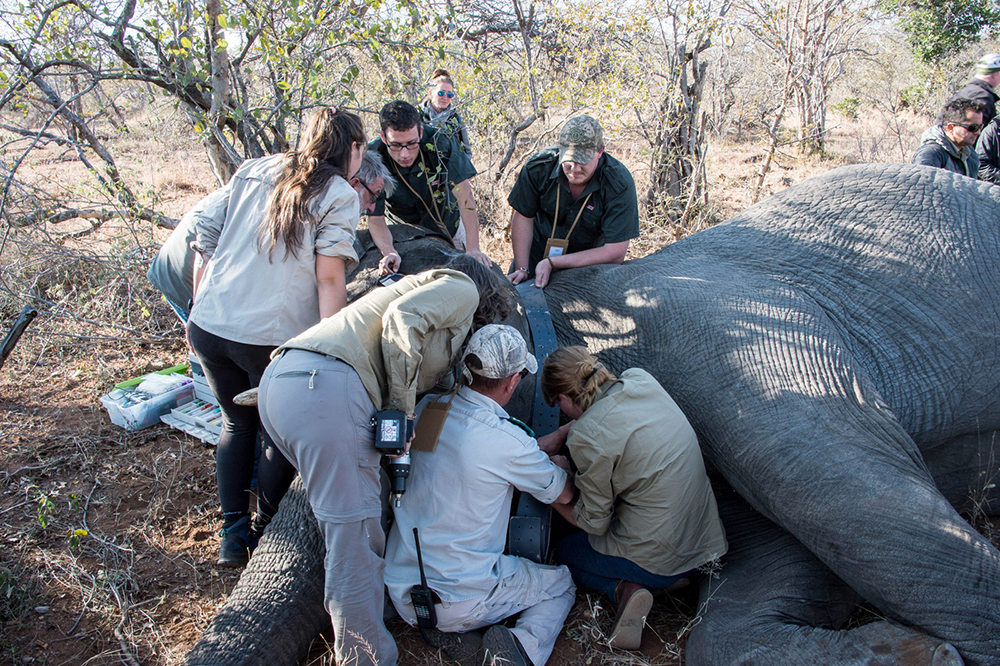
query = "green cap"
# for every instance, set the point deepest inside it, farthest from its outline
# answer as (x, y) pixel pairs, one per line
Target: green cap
(581, 137)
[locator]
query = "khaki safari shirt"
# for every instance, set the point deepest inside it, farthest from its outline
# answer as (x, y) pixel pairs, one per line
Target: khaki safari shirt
(399, 339)
(611, 215)
(246, 297)
(644, 494)
(444, 166)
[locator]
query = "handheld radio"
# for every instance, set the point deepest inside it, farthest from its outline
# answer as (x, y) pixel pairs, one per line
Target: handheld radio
(420, 595)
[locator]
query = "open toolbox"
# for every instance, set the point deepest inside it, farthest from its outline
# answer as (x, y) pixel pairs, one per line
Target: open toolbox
(197, 418)
(133, 406)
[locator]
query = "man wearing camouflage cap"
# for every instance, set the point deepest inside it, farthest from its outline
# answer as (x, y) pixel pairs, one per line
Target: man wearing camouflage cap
(983, 85)
(588, 195)
(458, 497)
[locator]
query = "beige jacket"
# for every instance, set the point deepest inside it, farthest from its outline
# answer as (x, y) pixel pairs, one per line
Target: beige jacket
(246, 297)
(644, 494)
(399, 339)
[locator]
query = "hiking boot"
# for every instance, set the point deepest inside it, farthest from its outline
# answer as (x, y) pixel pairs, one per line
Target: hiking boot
(634, 602)
(235, 549)
(465, 648)
(502, 648)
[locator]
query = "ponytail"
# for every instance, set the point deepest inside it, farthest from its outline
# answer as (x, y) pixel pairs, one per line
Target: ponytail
(441, 76)
(575, 373)
(324, 152)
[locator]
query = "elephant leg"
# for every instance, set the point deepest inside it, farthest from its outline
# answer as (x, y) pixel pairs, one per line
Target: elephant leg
(773, 603)
(966, 470)
(849, 484)
(276, 609)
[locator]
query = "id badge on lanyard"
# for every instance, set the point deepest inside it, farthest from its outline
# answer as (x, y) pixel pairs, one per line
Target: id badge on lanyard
(555, 247)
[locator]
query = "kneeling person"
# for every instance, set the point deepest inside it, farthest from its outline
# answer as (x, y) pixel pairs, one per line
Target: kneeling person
(459, 499)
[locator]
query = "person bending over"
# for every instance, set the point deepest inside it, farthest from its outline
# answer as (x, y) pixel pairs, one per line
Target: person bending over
(317, 399)
(275, 244)
(434, 190)
(574, 205)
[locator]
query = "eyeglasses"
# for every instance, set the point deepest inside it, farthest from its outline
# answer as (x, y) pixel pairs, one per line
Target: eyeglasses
(442, 93)
(523, 373)
(369, 191)
(972, 128)
(396, 147)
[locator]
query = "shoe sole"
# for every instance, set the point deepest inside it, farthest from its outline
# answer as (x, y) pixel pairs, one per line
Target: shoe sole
(465, 648)
(627, 632)
(501, 648)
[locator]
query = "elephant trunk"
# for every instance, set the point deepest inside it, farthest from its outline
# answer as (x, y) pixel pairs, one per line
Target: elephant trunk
(276, 609)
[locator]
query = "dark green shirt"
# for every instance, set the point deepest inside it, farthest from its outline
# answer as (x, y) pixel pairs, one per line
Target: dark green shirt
(444, 166)
(611, 215)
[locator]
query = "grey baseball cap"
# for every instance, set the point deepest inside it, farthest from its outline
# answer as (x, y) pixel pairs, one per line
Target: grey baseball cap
(579, 139)
(501, 350)
(988, 64)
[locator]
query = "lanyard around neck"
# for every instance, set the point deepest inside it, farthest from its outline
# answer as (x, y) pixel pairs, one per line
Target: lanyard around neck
(436, 215)
(555, 219)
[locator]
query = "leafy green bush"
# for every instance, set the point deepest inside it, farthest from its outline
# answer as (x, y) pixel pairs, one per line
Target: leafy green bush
(849, 107)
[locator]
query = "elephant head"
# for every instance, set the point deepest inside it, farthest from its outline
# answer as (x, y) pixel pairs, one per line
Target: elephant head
(836, 349)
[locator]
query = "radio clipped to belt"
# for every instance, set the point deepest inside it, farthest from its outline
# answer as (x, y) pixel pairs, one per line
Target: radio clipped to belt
(421, 596)
(556, 247)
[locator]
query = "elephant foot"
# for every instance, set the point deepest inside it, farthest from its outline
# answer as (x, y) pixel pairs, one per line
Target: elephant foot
(891, 643)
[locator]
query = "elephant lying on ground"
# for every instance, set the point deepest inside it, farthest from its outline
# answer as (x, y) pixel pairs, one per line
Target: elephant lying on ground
(836, 349)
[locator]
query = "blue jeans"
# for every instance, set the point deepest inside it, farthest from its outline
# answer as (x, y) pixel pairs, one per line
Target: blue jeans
(601, 573)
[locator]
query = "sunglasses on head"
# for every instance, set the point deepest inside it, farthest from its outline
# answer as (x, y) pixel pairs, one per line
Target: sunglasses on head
(442, 93)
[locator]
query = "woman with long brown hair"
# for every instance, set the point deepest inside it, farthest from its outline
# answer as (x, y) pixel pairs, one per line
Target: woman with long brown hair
(276, 250)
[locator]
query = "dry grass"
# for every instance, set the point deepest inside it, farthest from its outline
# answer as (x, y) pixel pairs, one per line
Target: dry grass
(141, 584)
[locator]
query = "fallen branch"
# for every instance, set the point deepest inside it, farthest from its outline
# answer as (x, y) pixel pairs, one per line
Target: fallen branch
(513, 144)
(99, 214)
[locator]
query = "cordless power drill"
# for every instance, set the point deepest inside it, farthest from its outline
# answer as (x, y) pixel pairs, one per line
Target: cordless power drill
(392, 431)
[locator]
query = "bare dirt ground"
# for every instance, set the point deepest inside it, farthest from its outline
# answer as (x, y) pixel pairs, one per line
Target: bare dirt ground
(107, 538)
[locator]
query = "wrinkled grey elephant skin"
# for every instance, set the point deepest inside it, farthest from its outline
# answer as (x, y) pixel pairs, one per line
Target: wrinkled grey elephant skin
(836, 349)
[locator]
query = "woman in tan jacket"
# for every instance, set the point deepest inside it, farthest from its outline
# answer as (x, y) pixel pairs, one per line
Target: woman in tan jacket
(645, 505)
